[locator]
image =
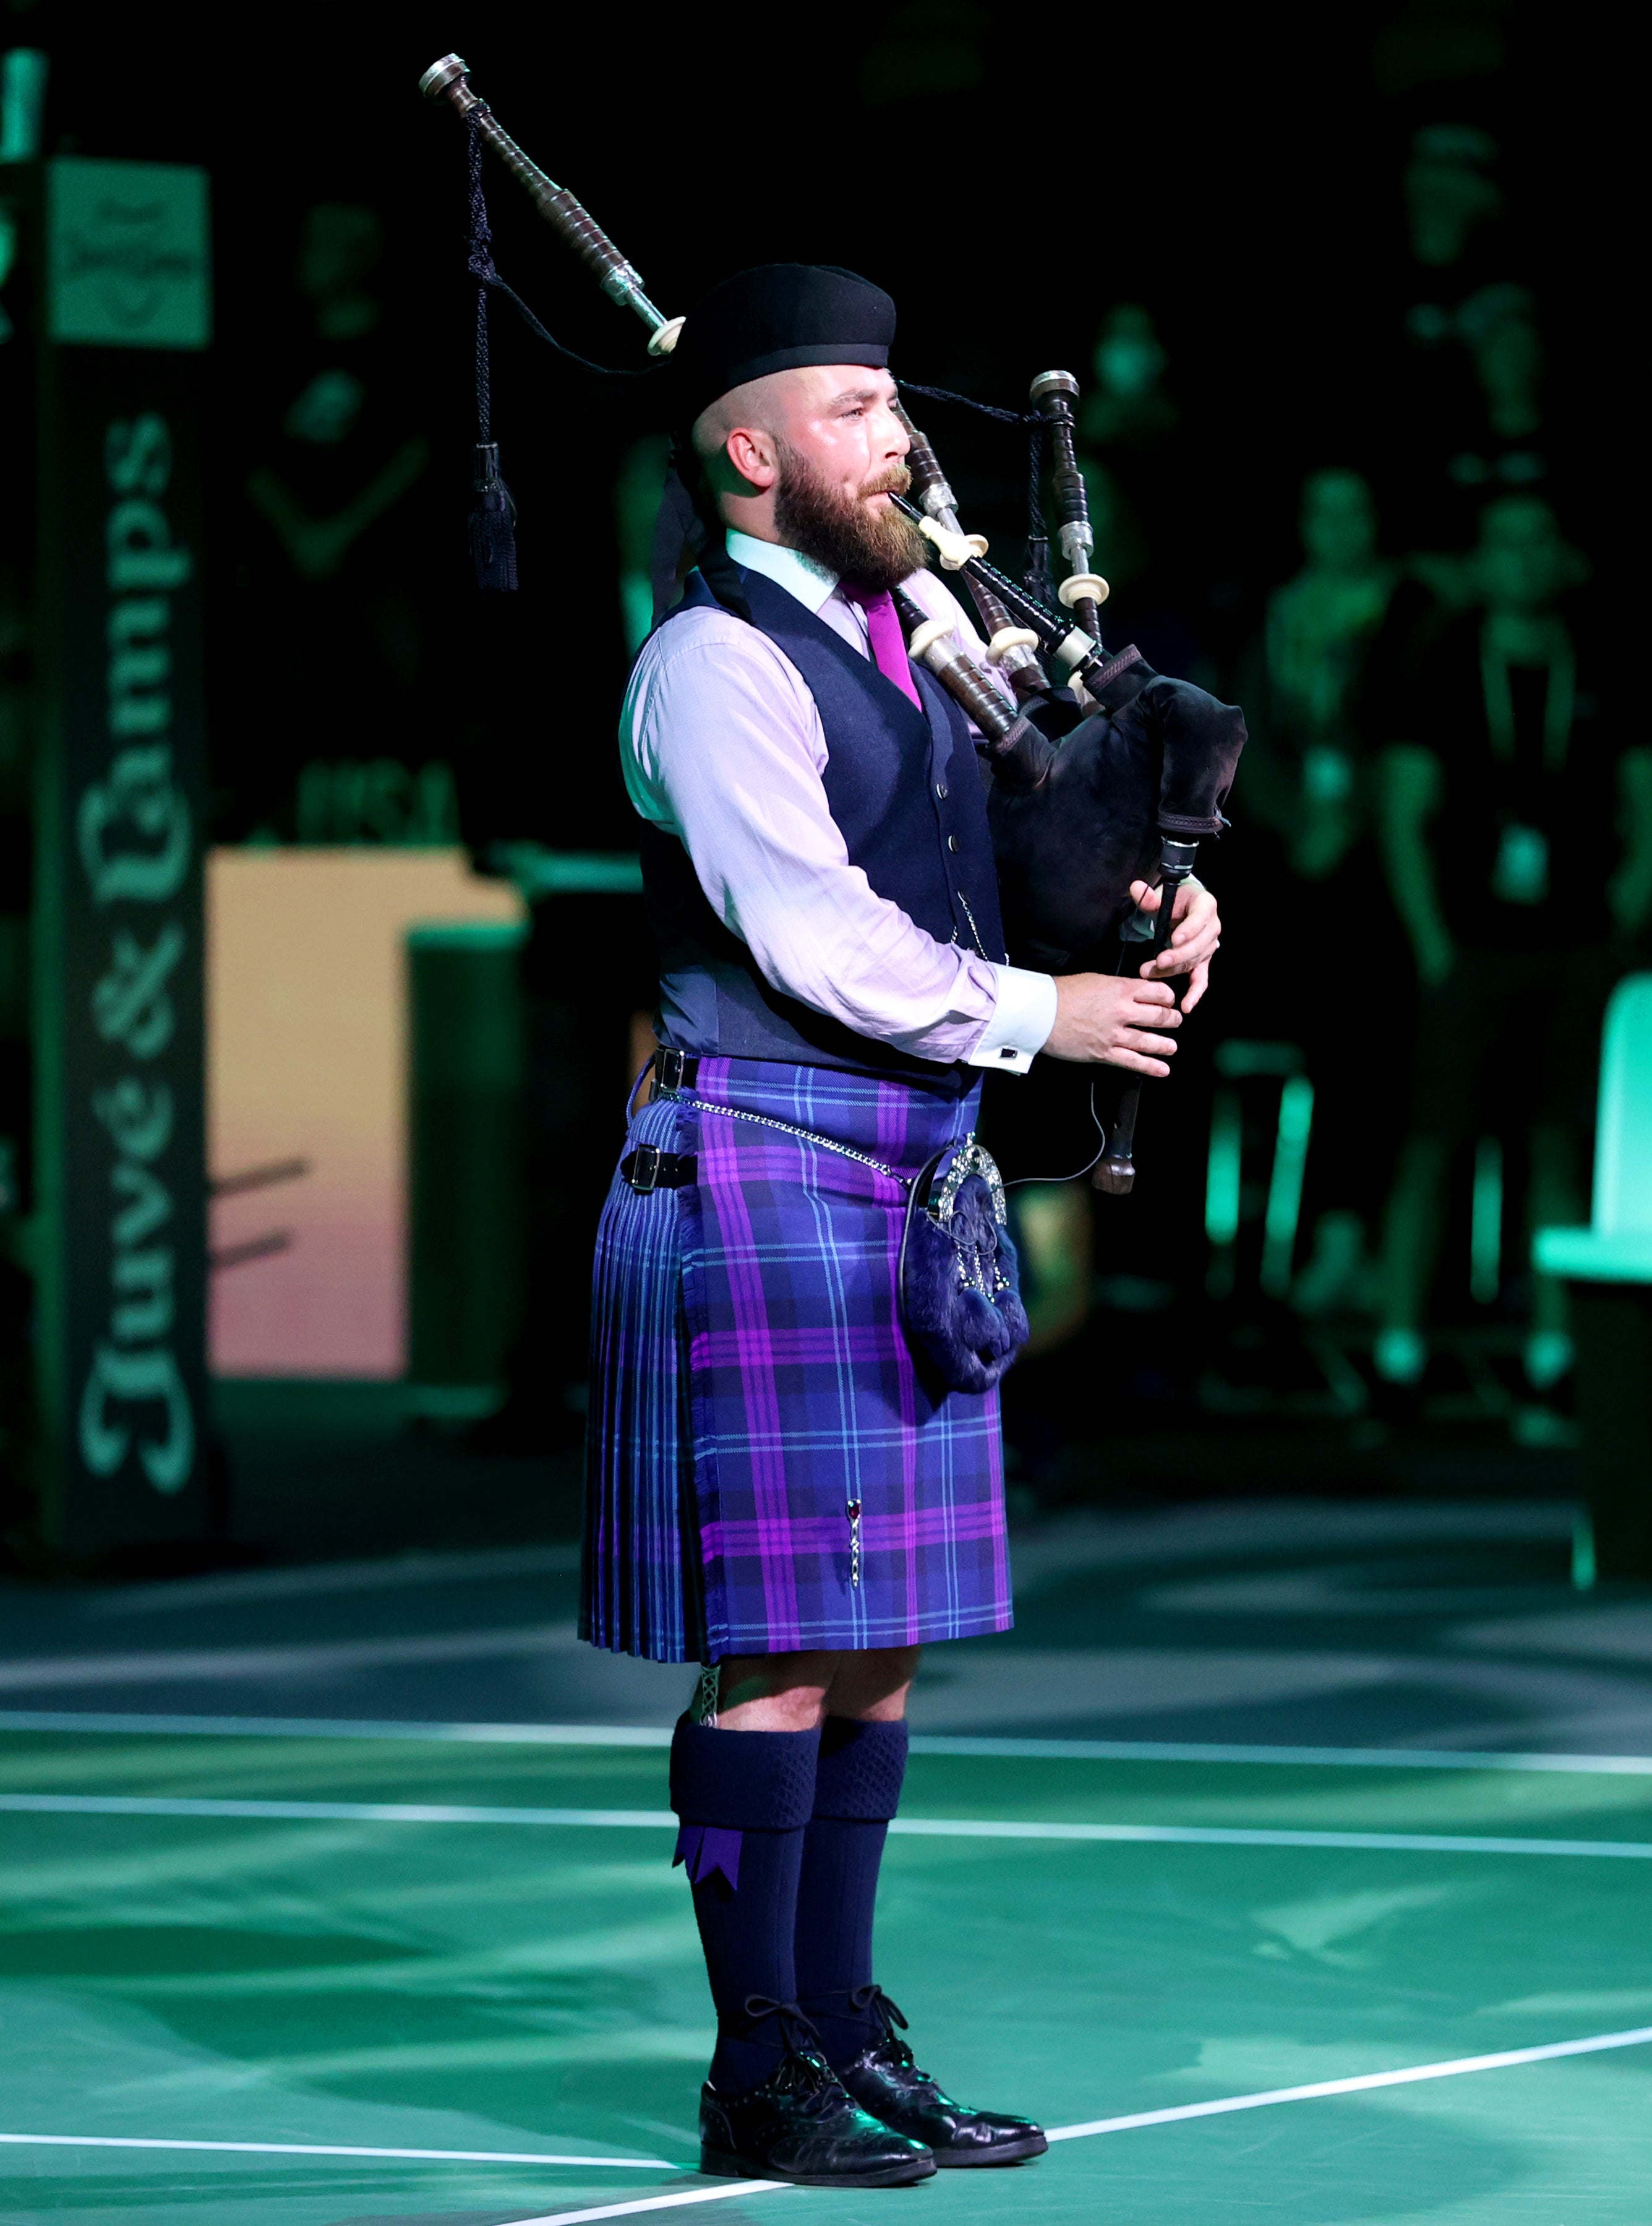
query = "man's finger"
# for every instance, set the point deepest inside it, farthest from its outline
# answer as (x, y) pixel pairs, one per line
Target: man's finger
(1171, 964)
(1147, 1013)
(1193, 925)
(1154, 1046)
(1169, 967)
(1136, 1066)
(1149, 992)
(1197, 986)
(1202, 907)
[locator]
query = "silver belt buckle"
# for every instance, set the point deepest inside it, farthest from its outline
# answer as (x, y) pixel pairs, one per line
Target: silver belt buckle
(645, 1176)
(669, 1068)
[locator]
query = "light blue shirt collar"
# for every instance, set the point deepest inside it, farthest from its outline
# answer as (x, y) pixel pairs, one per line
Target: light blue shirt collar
(800, 576)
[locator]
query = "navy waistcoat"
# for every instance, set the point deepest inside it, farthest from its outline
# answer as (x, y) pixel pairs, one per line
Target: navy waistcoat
(906, 793)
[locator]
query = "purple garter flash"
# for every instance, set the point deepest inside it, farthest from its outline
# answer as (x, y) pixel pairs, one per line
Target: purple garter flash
(707, 1848)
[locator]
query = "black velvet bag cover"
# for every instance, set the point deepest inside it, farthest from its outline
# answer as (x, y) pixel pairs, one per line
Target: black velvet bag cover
(960, 1281)
(1160, 760)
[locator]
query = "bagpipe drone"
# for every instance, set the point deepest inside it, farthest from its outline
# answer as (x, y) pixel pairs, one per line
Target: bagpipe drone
(1104, 772)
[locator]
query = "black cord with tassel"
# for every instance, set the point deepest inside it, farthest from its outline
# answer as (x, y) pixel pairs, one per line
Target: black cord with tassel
(1037, 578)
(492, 518)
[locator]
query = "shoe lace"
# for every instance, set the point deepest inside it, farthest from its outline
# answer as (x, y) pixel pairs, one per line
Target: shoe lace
(872, 2002)
(804, 2070)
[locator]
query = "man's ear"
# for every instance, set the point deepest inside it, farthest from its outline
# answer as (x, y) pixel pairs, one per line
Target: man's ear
(750, 452)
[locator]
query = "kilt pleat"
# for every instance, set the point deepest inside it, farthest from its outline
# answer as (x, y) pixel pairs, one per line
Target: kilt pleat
(641, 1590)
(751, 1380)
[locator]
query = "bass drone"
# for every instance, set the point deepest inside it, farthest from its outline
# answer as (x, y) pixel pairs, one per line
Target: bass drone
(1104, 771)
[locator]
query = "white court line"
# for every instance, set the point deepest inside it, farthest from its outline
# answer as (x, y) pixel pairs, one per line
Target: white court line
(934, 1827)
(318, 1577)
(1337, 1758)
(1548, 2053)
(139, 1723)
(348, 1812)
(335, 2149)
(215, 1664)
(1363, 2082)
(662, 2202)
(143, 1724)
(1223, 1836)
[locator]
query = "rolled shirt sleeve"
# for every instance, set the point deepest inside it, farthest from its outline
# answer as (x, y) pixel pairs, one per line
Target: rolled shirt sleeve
(723, 748)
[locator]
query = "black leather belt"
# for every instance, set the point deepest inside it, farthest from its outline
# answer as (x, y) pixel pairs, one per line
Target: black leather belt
(649, 1168)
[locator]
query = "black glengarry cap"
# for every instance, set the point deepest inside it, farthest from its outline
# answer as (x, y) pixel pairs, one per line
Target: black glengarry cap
(779, 316)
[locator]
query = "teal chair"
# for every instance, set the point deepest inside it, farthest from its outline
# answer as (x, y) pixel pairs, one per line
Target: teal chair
(1616, 1246)
(1608, 1268)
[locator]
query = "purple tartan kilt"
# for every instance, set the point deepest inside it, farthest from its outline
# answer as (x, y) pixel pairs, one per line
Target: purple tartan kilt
(750, 1378)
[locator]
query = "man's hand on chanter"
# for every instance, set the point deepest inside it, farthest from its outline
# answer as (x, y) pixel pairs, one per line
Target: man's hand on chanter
(1108, 1018)
(1194, 940)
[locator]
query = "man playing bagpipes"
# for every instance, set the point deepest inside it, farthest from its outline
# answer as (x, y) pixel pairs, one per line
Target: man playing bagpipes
(804, 1295)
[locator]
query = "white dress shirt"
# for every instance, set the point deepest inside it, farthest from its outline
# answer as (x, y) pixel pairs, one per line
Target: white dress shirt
(722, 746)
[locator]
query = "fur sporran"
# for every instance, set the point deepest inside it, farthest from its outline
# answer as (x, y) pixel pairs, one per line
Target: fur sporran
(960, 1281)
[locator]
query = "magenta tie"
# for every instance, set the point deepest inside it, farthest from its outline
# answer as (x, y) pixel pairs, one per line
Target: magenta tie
(888, 644)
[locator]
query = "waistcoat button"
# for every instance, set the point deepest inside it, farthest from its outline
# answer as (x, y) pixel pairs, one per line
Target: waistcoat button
(941, 790)
(951, 841)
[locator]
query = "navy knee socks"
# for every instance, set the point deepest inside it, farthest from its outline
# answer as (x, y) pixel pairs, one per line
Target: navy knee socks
(743, 1799)
(857, 1790)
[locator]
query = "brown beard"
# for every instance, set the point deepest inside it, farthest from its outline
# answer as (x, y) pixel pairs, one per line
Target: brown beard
(876, 548)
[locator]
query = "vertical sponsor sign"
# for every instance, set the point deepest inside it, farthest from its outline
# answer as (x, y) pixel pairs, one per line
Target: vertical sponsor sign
(119, 1022)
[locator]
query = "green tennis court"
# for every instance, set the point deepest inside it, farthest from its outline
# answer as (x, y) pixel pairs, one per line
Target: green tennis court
(353, 1944)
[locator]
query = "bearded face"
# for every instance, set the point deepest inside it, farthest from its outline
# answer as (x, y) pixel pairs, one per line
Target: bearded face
(876, 548)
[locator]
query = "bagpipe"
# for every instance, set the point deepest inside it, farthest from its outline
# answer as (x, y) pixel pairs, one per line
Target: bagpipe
(1104, 772)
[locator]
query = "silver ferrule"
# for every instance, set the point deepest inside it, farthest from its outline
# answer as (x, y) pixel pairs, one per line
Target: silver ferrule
(624, 286)
(1078, 543)
(1052, 382)
(447, 76)
(942, 505)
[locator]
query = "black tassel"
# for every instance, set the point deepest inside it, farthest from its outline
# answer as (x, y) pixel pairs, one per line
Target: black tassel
(1036, 579)
(493, 524)
(492, 518)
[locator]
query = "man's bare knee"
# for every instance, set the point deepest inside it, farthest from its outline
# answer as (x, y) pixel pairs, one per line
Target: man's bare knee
(774, 1692)
(873, 1685)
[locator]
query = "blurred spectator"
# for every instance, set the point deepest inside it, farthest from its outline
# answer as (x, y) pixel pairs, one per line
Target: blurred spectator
(1129, 407)
(16, 1117)
(1495, 794)
(1305, 789)
(1302, 772)
(1475, 348)
(1451, 196)
(1136, 461)
(17, 875)
(345, 730)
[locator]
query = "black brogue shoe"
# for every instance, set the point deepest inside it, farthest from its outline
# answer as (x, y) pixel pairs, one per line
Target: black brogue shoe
(800, 2125)
(887, 2083)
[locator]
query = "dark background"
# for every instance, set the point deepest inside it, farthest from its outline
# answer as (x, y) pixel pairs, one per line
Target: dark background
(1006, 176)
(1011, 176)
